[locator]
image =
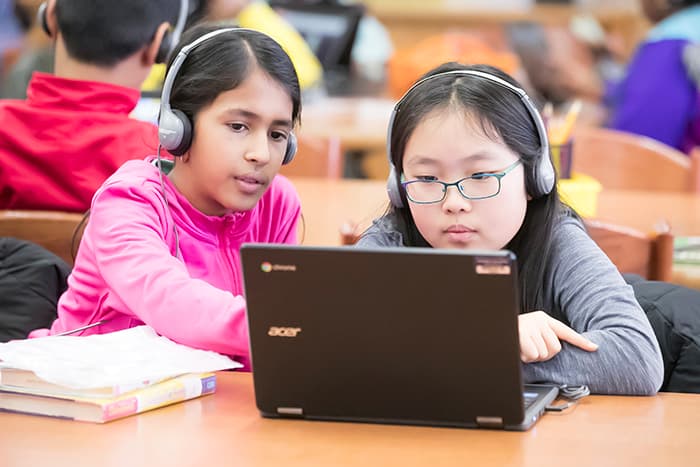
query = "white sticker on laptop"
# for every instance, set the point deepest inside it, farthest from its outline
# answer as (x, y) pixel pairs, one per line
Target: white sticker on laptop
(492, 265)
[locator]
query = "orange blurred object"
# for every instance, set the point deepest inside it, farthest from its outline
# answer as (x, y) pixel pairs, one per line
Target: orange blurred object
(407, 65)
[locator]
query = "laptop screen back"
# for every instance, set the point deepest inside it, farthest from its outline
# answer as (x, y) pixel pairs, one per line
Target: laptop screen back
(398, 335)
(328, 28)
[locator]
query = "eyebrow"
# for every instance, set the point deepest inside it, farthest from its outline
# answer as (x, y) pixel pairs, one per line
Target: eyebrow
(478, 156)
(254, 116)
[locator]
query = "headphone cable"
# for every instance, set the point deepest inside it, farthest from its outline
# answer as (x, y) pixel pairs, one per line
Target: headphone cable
(167, 204)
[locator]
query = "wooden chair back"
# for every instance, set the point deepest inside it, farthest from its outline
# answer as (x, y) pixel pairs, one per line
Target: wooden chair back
(316, 157)
(56, 231)
(632, 162)
(632, 251)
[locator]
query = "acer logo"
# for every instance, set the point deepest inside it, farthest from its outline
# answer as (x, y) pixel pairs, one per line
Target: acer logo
(277, 331)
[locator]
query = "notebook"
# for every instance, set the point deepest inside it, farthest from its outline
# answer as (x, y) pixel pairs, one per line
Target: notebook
(396, 335)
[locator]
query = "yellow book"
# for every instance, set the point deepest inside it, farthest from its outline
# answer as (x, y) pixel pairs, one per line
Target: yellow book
(101, 410)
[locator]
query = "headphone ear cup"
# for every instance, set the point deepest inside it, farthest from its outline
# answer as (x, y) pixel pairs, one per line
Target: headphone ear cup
(546, 177)
(291, 149)
(166, 46)
(42, 20)
(186, 139)
(392, 188)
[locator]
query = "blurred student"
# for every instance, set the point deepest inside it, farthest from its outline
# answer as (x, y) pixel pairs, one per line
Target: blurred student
(74, 130)
(660, 95)
(471, 169)
(11, 32)
(164, 250)
(34, 54)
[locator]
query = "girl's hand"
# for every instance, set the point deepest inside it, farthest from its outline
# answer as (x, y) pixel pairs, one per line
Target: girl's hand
(540, 335)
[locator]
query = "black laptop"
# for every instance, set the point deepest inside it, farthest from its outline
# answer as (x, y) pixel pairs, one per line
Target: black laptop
(399, 335)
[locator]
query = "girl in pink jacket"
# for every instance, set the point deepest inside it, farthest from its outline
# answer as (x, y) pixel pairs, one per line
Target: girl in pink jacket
(164, 250)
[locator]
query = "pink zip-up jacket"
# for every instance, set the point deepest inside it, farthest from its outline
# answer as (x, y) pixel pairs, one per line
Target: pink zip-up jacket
(128, 271)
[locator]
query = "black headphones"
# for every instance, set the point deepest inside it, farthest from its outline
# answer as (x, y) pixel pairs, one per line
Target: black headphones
(170, 38)
(544, 173)
(174, 127)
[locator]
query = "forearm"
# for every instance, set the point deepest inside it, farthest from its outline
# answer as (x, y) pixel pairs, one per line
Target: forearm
(200, 316)
(626, 362)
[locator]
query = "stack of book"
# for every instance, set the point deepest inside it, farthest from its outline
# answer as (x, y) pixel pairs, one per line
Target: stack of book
(103, 377)
(24, 392)
(686, 250)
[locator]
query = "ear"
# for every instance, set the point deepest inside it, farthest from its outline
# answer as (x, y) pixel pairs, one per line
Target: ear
(51, 21)
(151, 52)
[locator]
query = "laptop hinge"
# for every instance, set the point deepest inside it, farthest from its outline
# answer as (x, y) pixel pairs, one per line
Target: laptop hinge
(297, 411)
(490, 422)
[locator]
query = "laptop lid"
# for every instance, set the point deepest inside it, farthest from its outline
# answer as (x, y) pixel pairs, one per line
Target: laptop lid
(329, 28)
(403, 335)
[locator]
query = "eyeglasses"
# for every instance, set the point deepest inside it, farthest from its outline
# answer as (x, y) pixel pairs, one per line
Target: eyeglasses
(478, 186)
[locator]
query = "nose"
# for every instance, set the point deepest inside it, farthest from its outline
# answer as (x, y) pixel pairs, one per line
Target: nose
(258, 151)
(454, 201)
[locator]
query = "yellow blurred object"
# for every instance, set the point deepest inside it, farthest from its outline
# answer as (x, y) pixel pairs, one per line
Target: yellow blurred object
(407, 65)
(581, 193)
(559, 132)
(155, 78)
(261, 17)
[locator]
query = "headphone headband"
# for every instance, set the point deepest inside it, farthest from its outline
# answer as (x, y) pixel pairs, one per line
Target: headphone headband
(177, 64)
(181, 20)
(544, 174)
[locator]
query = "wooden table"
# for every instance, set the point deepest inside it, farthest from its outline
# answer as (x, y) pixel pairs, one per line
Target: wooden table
(328, 204)
(642, 209)
(225, 429)
(359, 122)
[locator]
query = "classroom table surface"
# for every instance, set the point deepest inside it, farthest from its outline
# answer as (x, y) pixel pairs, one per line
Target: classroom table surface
(359, 122)
(226, 429)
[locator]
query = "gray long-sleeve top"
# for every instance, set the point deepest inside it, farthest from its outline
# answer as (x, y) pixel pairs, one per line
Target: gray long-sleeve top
(583, 286)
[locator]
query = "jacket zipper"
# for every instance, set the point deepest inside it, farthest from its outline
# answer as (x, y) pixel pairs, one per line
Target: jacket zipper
(227, 257)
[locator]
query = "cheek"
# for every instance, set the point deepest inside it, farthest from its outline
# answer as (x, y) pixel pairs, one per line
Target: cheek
(426, 218)
(506, 220)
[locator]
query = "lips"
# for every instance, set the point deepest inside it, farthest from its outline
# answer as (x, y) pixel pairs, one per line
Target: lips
(460, 235)
(250, 184)
(459, 229)
(252, 179)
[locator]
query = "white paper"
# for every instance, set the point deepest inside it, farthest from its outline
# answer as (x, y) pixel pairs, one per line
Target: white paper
(104, 360)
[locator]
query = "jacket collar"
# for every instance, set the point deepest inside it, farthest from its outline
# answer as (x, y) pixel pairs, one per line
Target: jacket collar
(232, 224)
(46, 90)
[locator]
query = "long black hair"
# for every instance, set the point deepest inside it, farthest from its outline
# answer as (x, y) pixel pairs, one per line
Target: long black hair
(502, 116)
(223, 62)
